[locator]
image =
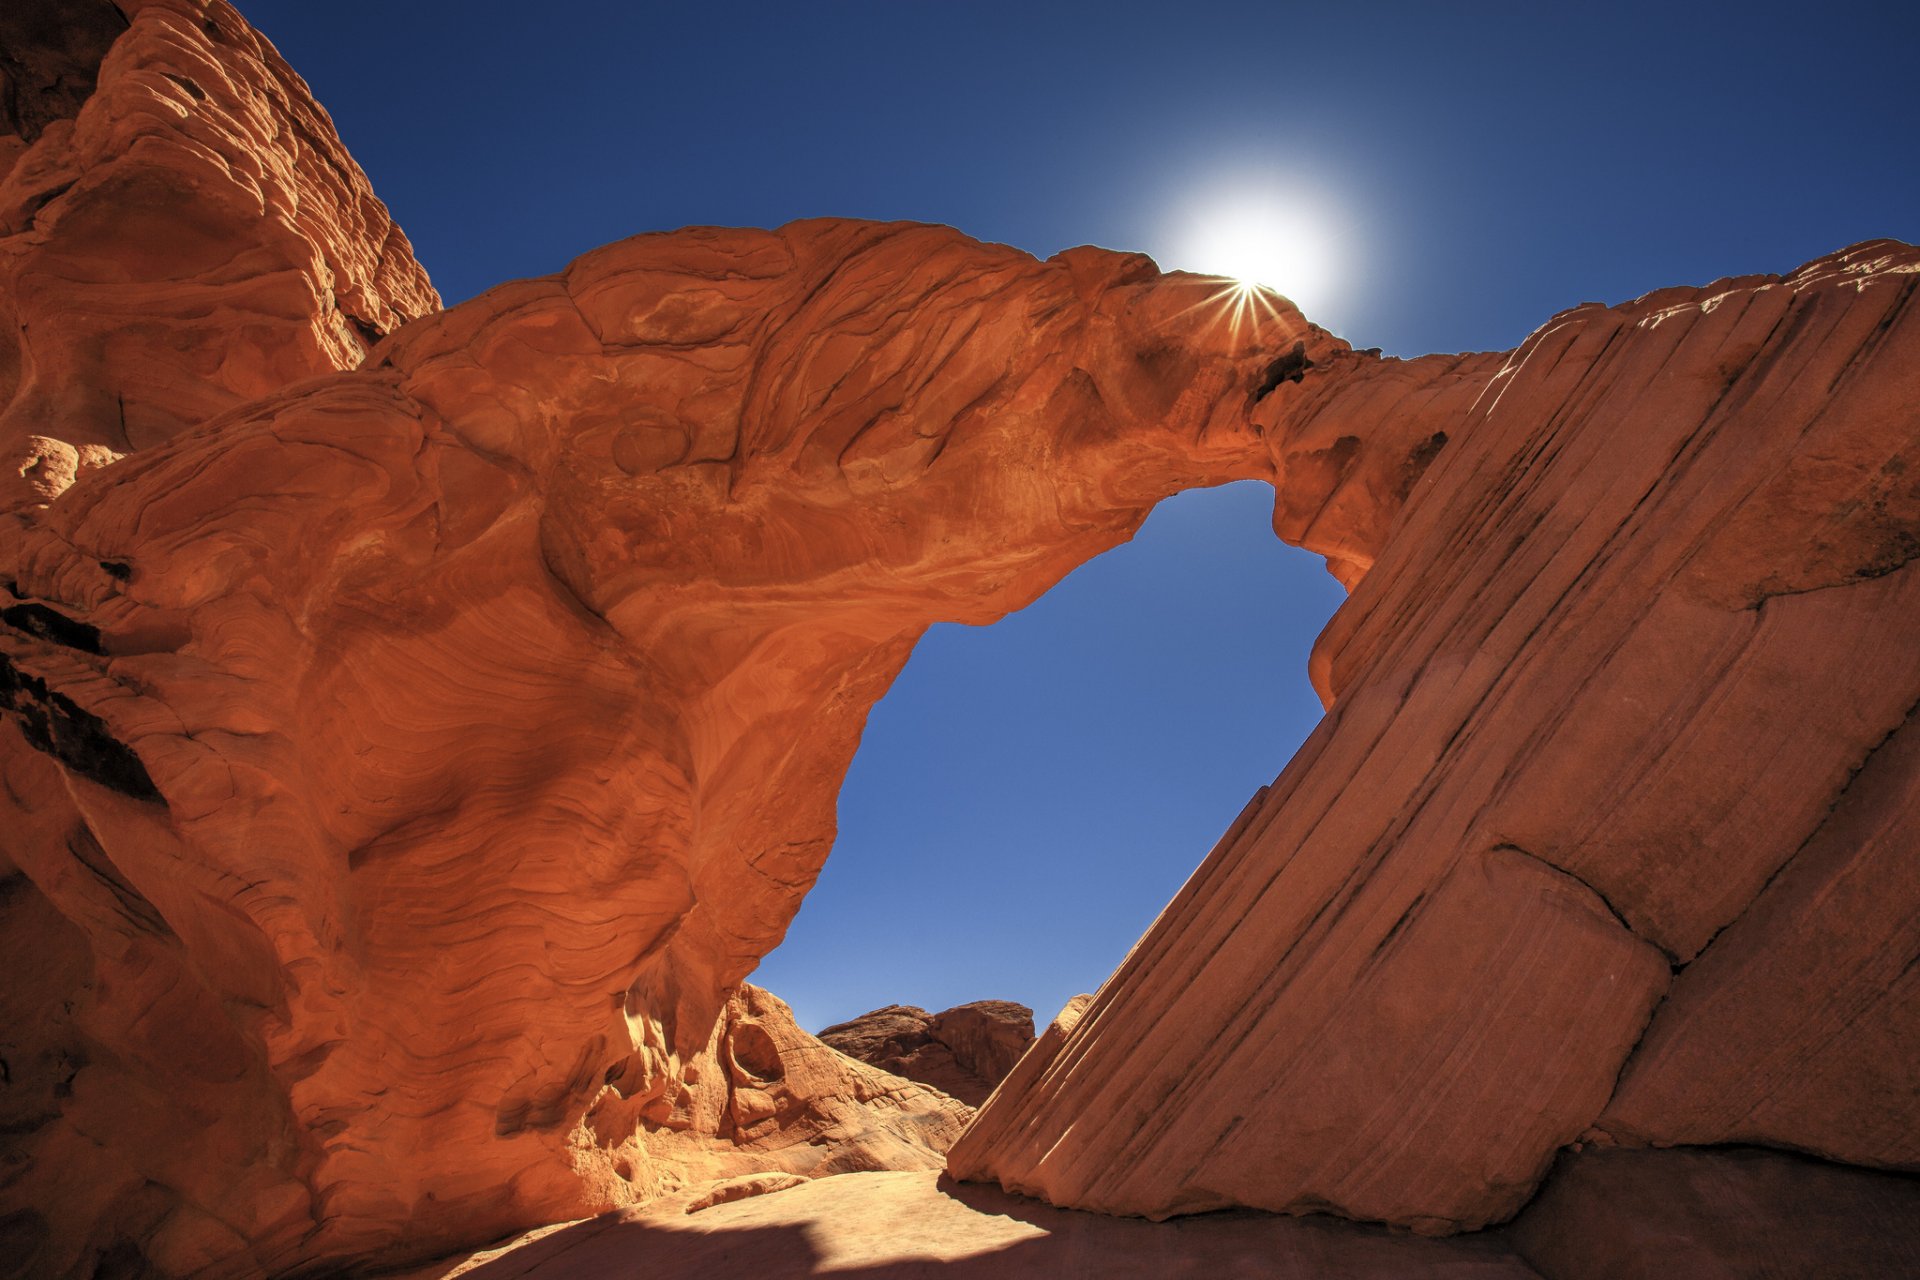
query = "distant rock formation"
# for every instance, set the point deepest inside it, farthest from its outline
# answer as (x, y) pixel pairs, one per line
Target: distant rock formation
(767, 1098)
(416, 726)
(963, 1052)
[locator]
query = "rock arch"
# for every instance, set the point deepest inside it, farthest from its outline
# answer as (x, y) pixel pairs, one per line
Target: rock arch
(414, 741)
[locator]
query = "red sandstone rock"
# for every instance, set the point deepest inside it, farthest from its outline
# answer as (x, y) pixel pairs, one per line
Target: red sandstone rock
(301, 674)
(702, 543)
(1651, 1215)
(1612, 671)
(404, 766)
(963, 1052)
(180, 230)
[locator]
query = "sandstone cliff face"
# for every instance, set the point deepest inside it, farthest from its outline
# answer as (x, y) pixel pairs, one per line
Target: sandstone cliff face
(1607, 829)
(963, 1052)
(408, 751)
(180, 232)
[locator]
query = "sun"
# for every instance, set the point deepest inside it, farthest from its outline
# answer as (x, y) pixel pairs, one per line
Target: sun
(1264, 240)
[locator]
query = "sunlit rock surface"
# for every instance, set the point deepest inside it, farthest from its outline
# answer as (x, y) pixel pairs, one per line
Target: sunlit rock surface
(964, 1051)
(415, 729)
(405, 768)
(1608, 829)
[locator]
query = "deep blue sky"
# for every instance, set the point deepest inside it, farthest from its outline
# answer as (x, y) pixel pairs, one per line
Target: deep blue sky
(1030, 794)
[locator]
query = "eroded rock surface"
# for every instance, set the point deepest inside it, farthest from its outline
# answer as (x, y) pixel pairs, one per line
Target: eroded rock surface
(964, 1051)
(413, 761)
(414, 733)
(180, 231)
(1615, 739)
(693, 501)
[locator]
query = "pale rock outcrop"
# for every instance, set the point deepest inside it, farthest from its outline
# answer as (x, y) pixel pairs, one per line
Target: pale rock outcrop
(766, 1096)
(963, 1052)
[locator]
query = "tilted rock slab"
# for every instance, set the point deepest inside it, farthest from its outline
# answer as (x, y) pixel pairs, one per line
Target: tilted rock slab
(1616, 719)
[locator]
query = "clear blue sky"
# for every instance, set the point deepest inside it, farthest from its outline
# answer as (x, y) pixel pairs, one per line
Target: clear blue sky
(1030, 794)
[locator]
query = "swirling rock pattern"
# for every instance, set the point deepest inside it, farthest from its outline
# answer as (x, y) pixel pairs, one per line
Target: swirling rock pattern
(406, 767)
(469, 725)
(180, 232)
(415, 732)
(963, 1052)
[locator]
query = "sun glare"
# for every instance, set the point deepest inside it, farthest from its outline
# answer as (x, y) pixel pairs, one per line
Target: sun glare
(1264, 240)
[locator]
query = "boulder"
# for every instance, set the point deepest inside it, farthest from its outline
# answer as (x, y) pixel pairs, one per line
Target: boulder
(963, 1052)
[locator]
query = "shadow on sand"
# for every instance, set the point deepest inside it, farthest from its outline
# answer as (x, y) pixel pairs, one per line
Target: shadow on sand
(891, 1226)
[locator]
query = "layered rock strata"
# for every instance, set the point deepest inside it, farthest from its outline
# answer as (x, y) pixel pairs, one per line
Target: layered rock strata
(693, 500)
(1607, 829)
(180, 232)
(414, 742)
(963, 1052)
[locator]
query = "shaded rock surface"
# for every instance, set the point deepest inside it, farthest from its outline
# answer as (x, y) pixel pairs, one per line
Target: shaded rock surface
(1746, 1213)
(180, 232)
(964, 1051)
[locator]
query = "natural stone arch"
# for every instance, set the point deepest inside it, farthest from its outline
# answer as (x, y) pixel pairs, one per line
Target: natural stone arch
(519, 668)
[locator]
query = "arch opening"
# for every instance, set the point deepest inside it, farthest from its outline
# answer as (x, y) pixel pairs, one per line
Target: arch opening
(1028, 795)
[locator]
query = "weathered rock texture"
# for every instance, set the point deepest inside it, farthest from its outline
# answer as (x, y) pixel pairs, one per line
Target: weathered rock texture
(1616, 740)
(963, 1052)
(449, 738)
(1736, 1214)
(180, 232)
(405, 768)
(405, 764)
(765, 1095)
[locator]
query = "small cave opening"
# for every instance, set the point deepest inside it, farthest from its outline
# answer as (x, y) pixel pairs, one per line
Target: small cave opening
(1029, 795)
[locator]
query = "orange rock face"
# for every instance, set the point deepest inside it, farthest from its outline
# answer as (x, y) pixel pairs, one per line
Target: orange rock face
(693, 501)
(1613, 790)
(405, 765)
